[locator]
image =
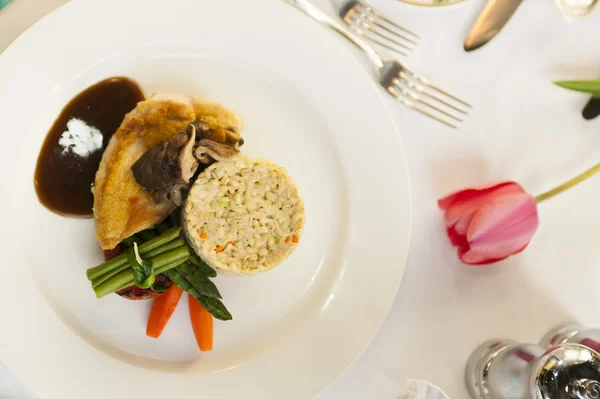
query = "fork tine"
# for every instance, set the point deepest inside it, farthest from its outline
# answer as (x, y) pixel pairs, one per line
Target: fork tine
(385, 28)
(378, 42)
(362, 19)
(378, 15)
(428, 84)
(413, 84)
(409, 104)
(370, 29)
(407, 92)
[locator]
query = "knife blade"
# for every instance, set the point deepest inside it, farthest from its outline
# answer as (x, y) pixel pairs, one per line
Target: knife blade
(494, 16)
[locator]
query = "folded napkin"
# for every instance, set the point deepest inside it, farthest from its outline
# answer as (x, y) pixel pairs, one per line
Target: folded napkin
(416, 389)
(369, 379)
(4, 2)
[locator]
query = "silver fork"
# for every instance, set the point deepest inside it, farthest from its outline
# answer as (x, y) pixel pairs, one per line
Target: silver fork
(406, 86)
(363, 20)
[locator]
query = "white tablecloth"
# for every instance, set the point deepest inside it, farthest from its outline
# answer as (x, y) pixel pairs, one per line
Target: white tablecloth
(521, 128)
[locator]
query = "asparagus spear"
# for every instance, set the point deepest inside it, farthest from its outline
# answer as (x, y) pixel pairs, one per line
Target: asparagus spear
(204, 268)
(212, 305)
(196, 279)
(146, 247)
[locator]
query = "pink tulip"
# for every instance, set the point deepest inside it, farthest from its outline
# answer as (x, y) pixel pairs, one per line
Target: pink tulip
(490, 223)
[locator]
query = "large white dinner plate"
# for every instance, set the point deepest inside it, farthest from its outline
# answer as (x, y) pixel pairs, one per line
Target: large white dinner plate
(308, 106)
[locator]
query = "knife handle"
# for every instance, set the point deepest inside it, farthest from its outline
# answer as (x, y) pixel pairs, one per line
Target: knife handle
(592, 108)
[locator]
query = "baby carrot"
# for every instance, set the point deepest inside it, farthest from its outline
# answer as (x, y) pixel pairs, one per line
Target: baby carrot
(162, 309)
(202, 324)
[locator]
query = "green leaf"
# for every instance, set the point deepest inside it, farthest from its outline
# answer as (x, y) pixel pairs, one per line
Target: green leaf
(143, 272)
(129, 241)
(159, 287)
(585, 86)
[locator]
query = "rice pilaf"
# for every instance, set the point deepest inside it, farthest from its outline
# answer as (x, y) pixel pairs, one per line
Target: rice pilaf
(244, 216)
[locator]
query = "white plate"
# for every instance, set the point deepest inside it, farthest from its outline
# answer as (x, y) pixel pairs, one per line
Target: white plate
(308, 106)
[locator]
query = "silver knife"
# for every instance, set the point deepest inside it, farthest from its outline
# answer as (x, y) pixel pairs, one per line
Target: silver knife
(494, 16)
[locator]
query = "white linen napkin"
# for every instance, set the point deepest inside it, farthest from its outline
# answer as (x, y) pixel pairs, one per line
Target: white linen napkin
(417, 389)
(368, 379)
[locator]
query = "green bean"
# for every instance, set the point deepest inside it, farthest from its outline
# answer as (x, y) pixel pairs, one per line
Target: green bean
(178, 242)
(96, 282)
(165, 258)
(126, 276)
(162, 239)
(161, 270)
(168, 267)
(106, 267)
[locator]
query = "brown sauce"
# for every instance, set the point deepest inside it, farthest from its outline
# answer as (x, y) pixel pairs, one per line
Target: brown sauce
(63, 179)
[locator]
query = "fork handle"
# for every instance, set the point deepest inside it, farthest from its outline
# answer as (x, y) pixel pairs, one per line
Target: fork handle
(322, 18)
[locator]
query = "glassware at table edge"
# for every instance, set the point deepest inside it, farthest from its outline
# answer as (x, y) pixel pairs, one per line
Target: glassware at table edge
(574, 9)
(432, 3)
(505, 369)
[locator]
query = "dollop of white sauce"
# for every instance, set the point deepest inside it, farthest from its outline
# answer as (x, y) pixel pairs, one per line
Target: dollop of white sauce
(80, 138)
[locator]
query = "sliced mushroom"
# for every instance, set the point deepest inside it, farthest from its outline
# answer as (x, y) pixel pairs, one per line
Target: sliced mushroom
(208, 151)
(202, 129)
(234, 138)
(228, 136)
(186, 160)
(179, 193)
(167, 165)
(166, 169)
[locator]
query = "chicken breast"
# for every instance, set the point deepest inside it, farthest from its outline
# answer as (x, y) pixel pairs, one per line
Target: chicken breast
(121, 206)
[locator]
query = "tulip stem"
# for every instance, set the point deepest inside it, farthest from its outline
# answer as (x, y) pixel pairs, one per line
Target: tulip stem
(565, 186)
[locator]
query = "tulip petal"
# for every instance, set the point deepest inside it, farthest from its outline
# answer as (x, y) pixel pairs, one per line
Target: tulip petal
(460, 212)
(474, 258)
(473, 192)
(458, 240)
(501, 228)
